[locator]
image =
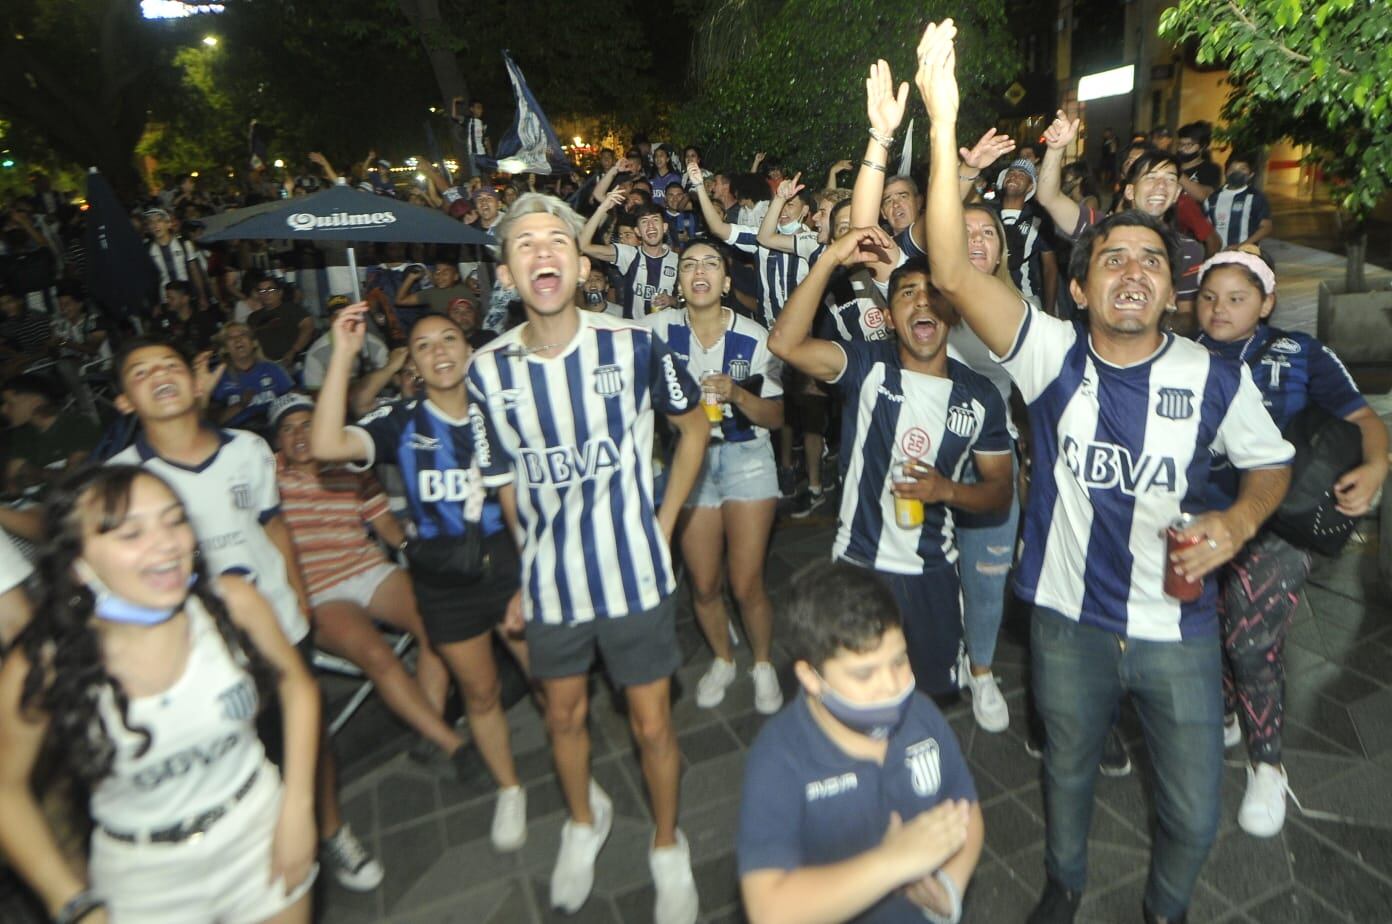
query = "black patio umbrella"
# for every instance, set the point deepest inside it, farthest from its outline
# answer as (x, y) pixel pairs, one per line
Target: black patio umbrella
(120, 274)
(344, 213)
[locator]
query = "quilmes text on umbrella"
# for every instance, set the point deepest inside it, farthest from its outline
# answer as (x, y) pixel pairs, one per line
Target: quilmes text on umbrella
(304, 221)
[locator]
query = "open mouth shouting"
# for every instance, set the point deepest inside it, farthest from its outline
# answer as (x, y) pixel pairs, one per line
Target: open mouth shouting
(545, 280)
(923, 328)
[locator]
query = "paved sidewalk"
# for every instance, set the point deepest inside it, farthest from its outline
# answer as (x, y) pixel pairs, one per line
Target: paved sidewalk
(432, 831)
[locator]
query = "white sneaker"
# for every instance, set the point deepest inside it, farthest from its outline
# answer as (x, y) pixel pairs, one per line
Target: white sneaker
(988, 705)
(768, 698)
(353, 867)
(710, 689)
(1263, 810)
(509, 830)
(573, 877)
(1232, 732)
(676, 901)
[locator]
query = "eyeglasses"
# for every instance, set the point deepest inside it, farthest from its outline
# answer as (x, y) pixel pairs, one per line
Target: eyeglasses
(267, 290)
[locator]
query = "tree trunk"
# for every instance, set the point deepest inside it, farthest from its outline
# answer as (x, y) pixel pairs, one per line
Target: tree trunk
(1355, 256)
(424, 15)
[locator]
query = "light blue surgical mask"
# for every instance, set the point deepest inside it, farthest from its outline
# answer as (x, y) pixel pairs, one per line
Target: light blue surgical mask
(876, 720)
(114, 608)
(792, 227)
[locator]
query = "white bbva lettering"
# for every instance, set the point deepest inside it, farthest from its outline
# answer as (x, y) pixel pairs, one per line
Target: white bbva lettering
(449, 485)
(568, 464)
(1106, 465)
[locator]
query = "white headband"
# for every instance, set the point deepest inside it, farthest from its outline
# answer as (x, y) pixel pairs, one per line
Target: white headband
(1247, 261)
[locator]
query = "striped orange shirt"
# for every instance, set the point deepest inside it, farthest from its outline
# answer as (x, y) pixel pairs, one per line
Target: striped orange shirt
(327, 512)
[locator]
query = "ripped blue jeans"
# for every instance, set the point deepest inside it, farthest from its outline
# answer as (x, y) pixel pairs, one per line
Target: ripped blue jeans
(986, 550)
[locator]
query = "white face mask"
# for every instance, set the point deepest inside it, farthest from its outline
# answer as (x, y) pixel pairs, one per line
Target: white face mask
(792, 227)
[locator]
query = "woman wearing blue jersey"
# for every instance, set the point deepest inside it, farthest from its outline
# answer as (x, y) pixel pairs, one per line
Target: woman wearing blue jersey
(431, 441)
(1260, 587)
(729, 513)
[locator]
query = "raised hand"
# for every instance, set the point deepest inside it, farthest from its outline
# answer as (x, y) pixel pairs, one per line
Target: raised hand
(790, 188)
(988, 149)
(937, 71)
(861, 245)
(694, 175)
(350, 329)
(1061, 131)
(883, 104)
(613, 199)
(205, 377)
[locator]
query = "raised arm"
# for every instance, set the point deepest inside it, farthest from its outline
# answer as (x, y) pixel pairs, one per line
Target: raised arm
(329, 438)
(791, 339)
(715, 218)
(606, 252)
(885, 108)
(769, 235)
(988, 305)
(988, 149)
(330, 173)
(1061, 208)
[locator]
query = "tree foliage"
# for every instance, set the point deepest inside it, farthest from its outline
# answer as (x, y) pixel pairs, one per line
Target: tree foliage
(794, 83)
(1319, 73)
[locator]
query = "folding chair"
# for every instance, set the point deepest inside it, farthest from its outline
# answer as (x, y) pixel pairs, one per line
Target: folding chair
(400, 643)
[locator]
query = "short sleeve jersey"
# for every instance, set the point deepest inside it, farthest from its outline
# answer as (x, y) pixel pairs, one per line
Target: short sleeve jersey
(1292, 371)
(1237, 213)
(435, 455)
(891, 415)
(777, 272)
(741, 352)
(805, 802)
(574, 432)
(1119, 452)
(265, 381)
(229, 499)
(644, 277)
(856, 308)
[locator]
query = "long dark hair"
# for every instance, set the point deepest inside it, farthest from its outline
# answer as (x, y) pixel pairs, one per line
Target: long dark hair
(67, 672)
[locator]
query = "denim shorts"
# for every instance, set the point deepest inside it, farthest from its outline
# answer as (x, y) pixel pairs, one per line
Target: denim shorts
(735, 472)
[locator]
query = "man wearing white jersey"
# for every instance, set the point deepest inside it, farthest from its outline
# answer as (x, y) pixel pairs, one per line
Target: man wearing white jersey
(1124, 419)
(227, 482)
(563, 409)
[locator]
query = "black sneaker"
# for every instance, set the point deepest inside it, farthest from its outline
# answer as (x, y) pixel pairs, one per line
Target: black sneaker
(1056, 906)
(787, 481)
(1115, 761)
(807, 502)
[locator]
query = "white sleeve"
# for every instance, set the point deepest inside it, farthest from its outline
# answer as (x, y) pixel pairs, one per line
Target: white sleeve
(624, 255)
(14, 567)
(1247, 435)
(1035, 359)
(262, 471)
(805, 245)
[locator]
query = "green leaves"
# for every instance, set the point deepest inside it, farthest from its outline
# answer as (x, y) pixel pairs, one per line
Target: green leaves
(1317, 73)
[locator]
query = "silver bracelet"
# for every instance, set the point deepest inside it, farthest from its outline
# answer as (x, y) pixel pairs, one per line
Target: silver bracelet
(954, 896)
(78, 907)
(886, 141)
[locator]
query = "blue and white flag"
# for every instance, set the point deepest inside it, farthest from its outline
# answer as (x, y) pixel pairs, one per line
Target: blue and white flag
(530, 145)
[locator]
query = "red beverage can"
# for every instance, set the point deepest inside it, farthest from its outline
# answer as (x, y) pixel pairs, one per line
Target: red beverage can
(1176, 584)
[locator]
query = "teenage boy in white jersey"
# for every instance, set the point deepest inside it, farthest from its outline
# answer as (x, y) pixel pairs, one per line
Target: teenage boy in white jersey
(912, 420)
(649, 271)
(563, 411)
(1124, 418)
(227, 482)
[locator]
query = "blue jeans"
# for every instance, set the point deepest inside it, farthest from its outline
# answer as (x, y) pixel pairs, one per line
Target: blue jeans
(985, 554)
(1080, 674)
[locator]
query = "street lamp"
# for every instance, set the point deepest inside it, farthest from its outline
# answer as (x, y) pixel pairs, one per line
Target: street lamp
(210, 40)
(279, 164)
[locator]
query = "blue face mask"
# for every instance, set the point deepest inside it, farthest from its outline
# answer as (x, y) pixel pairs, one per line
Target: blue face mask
(792, 227)
(110, 607)
(875, 720)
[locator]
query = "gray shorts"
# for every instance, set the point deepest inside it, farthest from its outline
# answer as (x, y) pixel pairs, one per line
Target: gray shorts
(638, 648)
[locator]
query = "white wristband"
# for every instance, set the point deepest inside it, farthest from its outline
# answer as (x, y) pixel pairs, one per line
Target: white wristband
(954, 897)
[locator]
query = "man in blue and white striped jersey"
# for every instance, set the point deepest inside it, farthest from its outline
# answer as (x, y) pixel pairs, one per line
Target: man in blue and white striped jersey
(563, 406)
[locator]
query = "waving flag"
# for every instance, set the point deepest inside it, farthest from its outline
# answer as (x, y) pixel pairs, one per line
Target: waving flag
(530, 145)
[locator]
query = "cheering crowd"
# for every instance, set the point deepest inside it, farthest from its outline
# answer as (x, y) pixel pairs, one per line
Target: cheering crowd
(505, 453)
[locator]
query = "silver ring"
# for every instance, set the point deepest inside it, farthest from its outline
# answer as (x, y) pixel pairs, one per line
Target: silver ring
(1213, 543)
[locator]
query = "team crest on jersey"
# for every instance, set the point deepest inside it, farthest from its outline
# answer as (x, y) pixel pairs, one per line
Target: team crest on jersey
(915, 443)
(238, 702)
(739, 369)
(608, 380)
(669, 271)
(1285, 345)
(1175, 403)
(925, 767)
(874, 319)
(961, 421)
(241, 496)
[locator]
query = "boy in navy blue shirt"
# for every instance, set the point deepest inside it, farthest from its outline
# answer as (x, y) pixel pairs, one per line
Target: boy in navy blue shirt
(857, 803)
